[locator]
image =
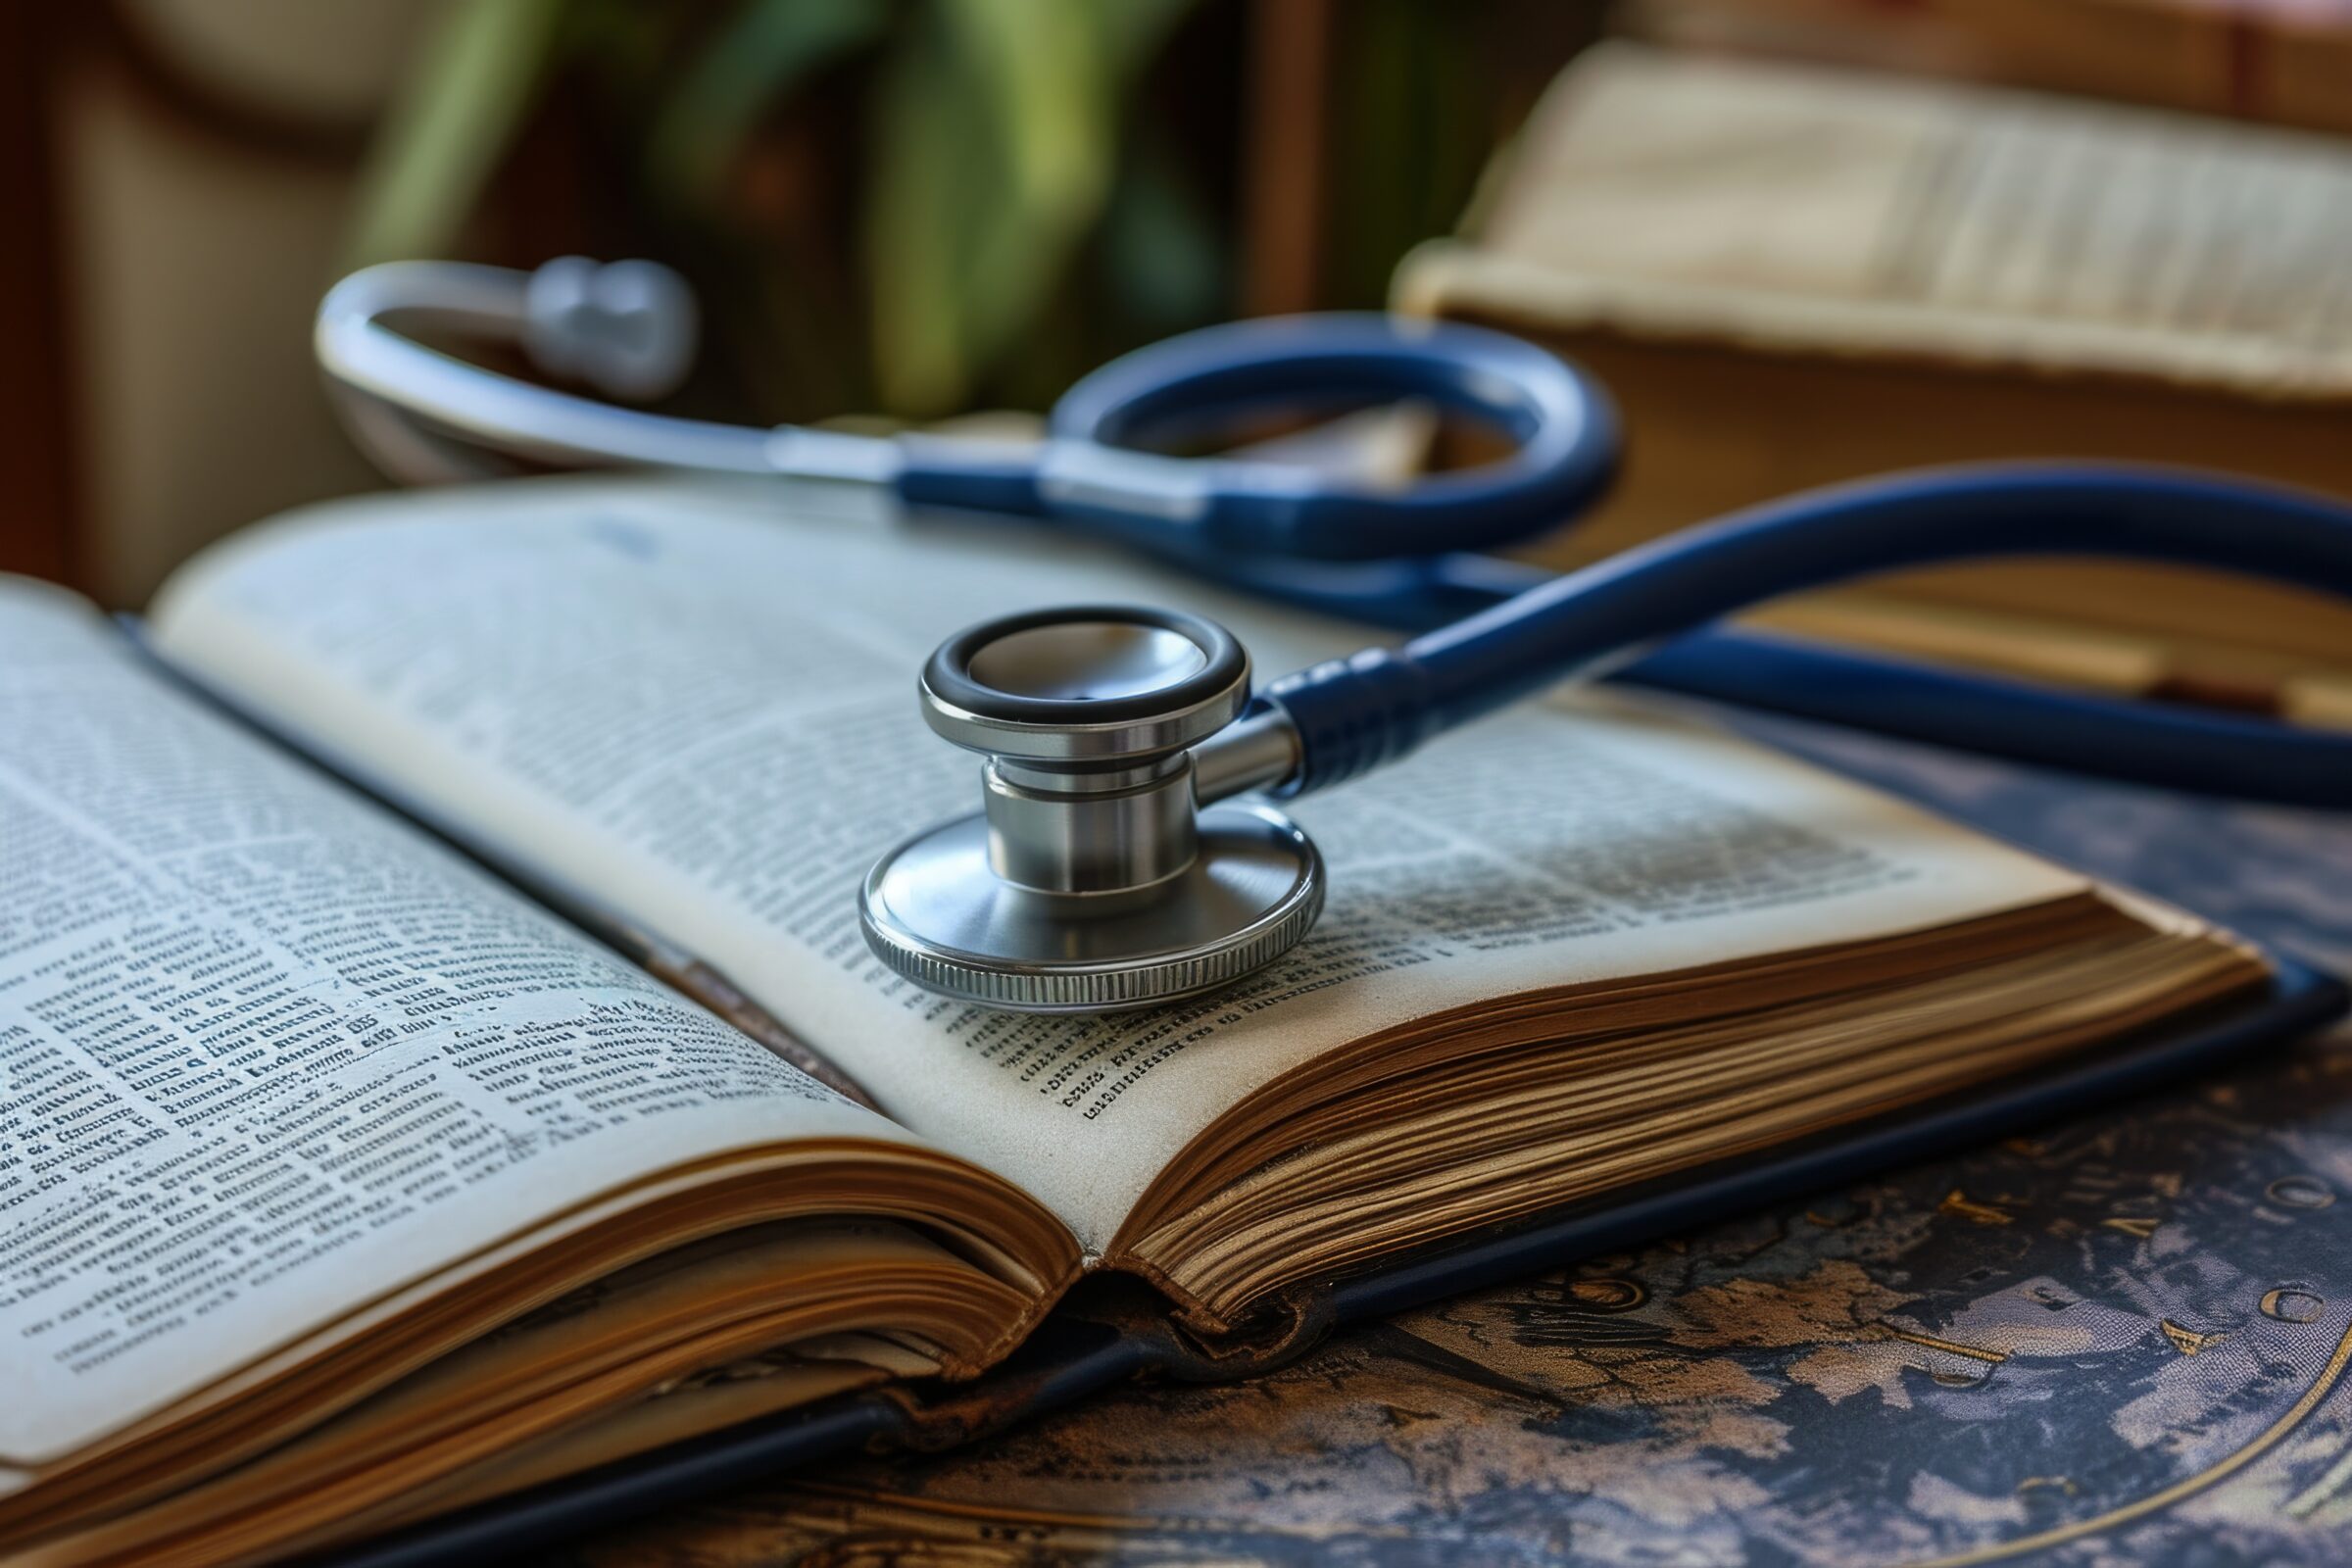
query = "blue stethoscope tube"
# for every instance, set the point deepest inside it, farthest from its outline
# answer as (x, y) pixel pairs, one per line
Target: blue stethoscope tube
(1491, 631)
(1494, 630)
(1529, 633)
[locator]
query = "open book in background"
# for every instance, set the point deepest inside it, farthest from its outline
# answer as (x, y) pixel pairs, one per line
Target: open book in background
(1790, 276)
(346, 1184)
(2281, 61)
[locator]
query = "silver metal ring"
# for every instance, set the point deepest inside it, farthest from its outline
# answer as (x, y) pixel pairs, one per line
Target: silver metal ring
(931, 911)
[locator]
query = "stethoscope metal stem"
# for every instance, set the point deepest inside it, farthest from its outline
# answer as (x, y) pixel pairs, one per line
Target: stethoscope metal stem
(1259, 751)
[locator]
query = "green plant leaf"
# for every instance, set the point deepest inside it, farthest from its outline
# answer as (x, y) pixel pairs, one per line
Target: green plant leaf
(998, 138)
(476, 78)
(1162, 260)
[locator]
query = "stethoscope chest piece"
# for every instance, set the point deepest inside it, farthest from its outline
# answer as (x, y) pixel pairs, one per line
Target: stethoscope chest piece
(1092, 880)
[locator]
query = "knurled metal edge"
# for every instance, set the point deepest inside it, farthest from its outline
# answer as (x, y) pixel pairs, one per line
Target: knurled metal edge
(1106, 990)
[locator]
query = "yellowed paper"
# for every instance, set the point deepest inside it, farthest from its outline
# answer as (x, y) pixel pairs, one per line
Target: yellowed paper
(699, 703)
(1770, 203)
(271, 1054)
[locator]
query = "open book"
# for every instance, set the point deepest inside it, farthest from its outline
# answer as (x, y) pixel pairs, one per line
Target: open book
(344, 1180)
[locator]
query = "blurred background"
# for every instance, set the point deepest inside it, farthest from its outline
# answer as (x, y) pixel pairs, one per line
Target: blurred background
(911, 207)
(1802, 238)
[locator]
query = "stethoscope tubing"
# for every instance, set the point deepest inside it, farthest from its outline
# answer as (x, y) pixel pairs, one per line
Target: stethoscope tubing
(2132, 740)
(1687, 579)
(1561, 423)
(2135, 741)
(1487, 631)
(1493, 631)
(365, 358)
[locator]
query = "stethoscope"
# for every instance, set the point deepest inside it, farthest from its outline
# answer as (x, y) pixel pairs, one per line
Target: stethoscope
(1116, 863)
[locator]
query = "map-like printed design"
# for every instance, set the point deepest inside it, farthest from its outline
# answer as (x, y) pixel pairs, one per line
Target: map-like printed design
(2118, 1341)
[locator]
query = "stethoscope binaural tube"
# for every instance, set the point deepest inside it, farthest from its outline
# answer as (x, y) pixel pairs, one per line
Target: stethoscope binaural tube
(1490, 630)
(626, 328)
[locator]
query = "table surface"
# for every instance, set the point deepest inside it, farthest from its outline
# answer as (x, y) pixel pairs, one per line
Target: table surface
(2118, 1340)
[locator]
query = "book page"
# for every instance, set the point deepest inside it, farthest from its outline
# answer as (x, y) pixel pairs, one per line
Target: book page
(700, 700)
(268, 1052)
(1770, 202)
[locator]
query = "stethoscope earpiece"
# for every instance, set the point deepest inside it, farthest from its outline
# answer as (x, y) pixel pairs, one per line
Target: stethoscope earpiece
(626, 328)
